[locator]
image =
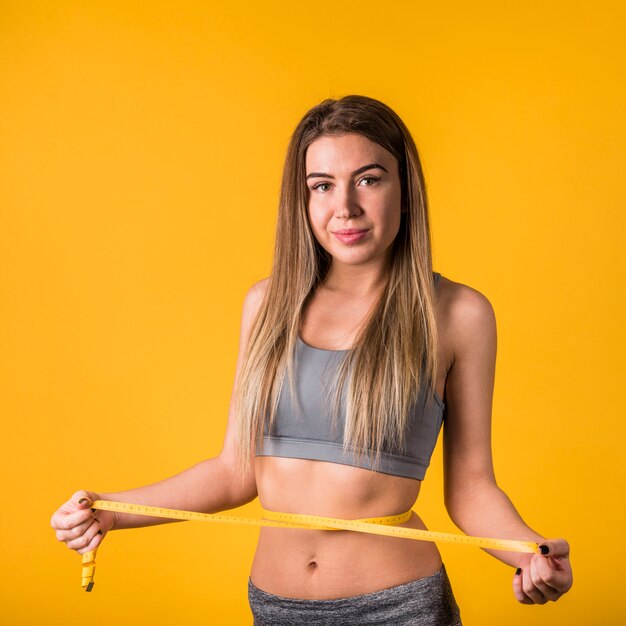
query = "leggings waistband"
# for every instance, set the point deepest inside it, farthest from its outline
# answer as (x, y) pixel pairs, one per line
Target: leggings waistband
(427, 601)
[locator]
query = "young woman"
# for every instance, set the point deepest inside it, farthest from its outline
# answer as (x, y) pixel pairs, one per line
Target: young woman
(351, 355)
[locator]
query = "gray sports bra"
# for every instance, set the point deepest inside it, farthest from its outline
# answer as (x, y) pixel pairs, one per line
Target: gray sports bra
(308, 434)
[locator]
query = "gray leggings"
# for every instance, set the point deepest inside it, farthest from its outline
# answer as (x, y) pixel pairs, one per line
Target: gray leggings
(427, 601)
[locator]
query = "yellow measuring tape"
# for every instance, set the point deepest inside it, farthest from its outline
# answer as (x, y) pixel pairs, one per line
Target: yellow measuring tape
(374, 525)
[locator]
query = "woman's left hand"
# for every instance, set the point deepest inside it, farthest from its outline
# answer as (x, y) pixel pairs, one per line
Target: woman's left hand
(545, 576)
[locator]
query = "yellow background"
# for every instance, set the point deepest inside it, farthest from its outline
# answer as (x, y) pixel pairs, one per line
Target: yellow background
(141, 146)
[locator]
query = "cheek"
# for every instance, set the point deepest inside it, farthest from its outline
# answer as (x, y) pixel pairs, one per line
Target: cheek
(317, 219)
(392, 229)
(391, 215)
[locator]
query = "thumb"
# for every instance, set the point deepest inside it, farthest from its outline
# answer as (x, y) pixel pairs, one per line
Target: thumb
(554, 547)
(83, 499)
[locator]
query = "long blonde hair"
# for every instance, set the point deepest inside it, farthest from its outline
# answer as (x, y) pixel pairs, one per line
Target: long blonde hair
(395, 353)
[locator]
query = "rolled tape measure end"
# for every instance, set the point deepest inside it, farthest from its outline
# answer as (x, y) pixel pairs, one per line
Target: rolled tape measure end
(89, 569)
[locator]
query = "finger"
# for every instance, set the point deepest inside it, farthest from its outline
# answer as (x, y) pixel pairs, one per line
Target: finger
(556, 572)
(530, 589)
(554, 547)
(86, 538)
(83, 499)
(542, 575)
(79, 501)
(518, 591)
(70, 520)
(76, 531)
(94, 543)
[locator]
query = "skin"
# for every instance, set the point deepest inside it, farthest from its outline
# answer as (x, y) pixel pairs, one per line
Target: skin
(333, 564)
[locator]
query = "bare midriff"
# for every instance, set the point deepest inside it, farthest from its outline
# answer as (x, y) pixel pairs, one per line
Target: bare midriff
(329, 564)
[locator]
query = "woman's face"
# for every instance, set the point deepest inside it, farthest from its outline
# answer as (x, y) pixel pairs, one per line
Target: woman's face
(353, 186)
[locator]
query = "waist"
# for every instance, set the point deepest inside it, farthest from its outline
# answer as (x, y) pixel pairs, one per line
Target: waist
(305, 561)
(302, 520)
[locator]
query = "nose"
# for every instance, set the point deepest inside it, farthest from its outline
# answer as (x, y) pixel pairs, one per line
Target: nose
(346, 203)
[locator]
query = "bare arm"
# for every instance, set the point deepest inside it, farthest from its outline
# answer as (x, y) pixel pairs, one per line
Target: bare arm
(473, 499)
(208, 486)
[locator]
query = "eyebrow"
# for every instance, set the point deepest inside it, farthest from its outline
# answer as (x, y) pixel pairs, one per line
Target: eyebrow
(355, 173)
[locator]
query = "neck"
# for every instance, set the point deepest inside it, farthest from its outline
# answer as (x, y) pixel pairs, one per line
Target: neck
(360, 281)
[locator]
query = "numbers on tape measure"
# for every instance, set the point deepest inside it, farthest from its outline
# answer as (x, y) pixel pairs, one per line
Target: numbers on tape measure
(377, 526)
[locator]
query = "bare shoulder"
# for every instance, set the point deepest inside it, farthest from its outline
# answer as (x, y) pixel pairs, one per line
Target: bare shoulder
(259, 287)
(256, 293)
(251, 305)
(465, 316)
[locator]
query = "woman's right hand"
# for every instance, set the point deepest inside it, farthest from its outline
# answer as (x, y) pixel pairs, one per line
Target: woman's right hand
(78, 526)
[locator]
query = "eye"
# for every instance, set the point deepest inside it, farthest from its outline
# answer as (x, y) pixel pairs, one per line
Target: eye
(320, 185)
(370, 180)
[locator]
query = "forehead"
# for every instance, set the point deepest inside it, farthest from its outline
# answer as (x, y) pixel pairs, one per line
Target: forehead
(339, 153)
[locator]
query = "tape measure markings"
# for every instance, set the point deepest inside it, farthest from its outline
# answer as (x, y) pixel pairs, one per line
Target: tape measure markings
(377, 526)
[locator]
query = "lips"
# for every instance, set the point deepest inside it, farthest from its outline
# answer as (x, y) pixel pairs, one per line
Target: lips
(350, 235)
(350, 231)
